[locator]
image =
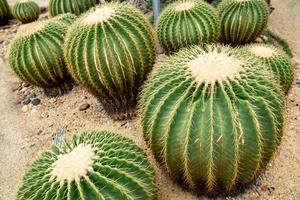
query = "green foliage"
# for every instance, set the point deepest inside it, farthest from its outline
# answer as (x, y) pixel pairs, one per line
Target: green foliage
(187, 22)
(213, 117)
(92, 166)
(276, 60)
(36, 53)
(77, 7)
(4, 12)
(26, 11)
(110, 50)
(242, 21)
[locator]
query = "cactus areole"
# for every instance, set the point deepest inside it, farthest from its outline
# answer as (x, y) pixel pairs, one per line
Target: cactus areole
(92, 166)
(110, 50)
(213, 117)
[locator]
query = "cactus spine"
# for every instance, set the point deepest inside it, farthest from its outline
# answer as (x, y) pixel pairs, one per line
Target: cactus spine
(67, 19)
(242, 21)
(212, 117)
(4, 12)
(95, 165)
(187, 22)
(110, 50)
(276, 60)
(36, 54)
(76, 7)
(26, 11)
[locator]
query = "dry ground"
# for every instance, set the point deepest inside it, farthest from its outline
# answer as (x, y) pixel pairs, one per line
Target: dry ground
(26, 130)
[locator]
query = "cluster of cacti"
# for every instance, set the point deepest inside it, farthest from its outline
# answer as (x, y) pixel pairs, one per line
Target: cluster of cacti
(242, 21)
(4, 12)
(276, 60)
(110, 50)
(36, 53)
(95, 165)
(212, 116)
(76, 7)
(26, 11)
(186, 23)
(67, 19)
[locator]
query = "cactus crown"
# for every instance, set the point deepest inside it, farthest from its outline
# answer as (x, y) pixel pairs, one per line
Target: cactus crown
(33, 28)
(93, 165)
(100, 15)
(263, 51)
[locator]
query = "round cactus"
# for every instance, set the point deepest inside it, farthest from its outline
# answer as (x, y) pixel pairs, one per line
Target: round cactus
(4, 12)
(36, 54)
(95, 165)
(242, 21)
(67, 19)
(77, 7)
(212, 117)
(186, 23)
(26, 11)
(110, 50)
(276, 60)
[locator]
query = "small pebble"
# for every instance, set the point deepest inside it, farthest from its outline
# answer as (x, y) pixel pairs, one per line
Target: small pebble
(84, 106)
(25, 108)
(26, 101)
(36, 101)
(16, 86)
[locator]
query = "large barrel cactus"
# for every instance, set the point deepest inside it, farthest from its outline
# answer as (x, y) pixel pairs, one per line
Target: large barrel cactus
(213, 117)
(92, 166)
(26, 11)
(110, 50)
(4, 12)
(76, 7)
(276, 60)
(186, 23)
(36, 54)
(242, 21)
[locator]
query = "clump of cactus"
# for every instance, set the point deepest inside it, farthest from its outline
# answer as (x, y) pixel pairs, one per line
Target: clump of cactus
(4, 12)
(67, 18)
(77, 7)
(36, 54)
(276, 60)
(242, 21)
(110, 50)
(94, 165)
(212, 116)
(187, 22)
(26, 11)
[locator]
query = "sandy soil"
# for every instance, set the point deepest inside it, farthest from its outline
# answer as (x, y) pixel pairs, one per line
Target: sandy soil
(26, 130)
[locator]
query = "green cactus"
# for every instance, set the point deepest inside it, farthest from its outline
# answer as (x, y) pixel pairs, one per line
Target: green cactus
(36, 54)
(242, 21)
(276, 60)
(77, 7)
(4, 12)
(67, 19)
(110, 50)
(187, 22)
(213, 117)
(92, 166)
(26, 11)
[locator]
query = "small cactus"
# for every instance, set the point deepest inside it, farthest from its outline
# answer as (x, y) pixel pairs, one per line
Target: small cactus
(77, 7)
(110, 50)
(94, 165)
(187, 22)
(36, 54)
(4, 12)
(276, 60)
(26, 11)
(213, 117)
(67, 19)
(242, 21)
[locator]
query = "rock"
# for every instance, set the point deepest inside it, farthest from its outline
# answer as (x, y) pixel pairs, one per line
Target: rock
(26, 101)
(36, 101)
(17, 102)
(21, 97)
(16, 86)
(25, 84)
(25, 108)
(84, 106)
(31, 96)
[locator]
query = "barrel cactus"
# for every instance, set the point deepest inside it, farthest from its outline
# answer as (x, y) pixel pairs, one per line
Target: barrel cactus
(77, 7)
(187, 22)
(94, 165)
(26, 11)
(276, 60)
(213, 117)
(36, 54)
(110, 50)
(242, 21)
(67, 19)
(4, 12)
